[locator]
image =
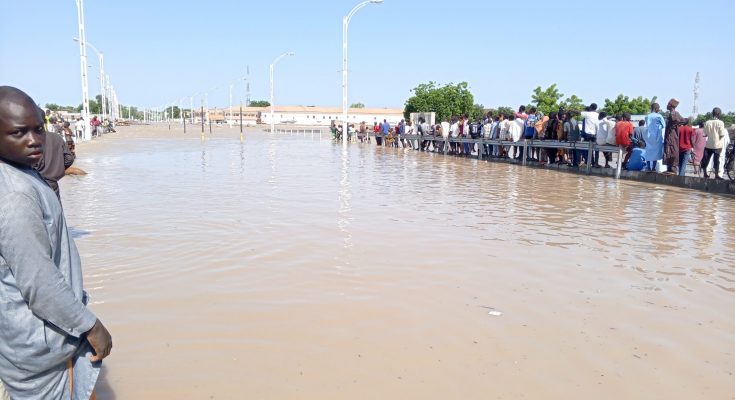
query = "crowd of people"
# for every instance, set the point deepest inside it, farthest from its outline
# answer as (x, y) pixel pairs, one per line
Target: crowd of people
(55, 122)
(659, 142)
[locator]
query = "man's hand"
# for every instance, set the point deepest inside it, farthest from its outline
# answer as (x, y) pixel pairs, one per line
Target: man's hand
(100, 340)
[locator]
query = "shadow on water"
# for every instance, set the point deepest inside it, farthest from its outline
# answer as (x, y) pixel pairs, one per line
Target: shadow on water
(77, 233)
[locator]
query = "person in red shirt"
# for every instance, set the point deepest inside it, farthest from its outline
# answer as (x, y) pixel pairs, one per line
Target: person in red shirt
(623, 133)
(95, 123)
(686, 132)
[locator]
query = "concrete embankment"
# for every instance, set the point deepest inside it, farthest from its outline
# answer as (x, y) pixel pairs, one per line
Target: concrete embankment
(725, 186)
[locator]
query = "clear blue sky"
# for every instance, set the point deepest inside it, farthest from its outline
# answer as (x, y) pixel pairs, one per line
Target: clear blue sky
(157, 52)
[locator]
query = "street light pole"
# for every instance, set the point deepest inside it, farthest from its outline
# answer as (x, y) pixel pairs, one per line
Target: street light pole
(191, 109)
(229, 120)
(101, 58)
(108, 91)
(345, 29)
(105, 97)
(206, 105)
(83, 61)
(271, 70)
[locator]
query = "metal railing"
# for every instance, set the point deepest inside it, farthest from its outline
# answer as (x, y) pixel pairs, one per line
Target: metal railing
(588, 147)
(297, 131)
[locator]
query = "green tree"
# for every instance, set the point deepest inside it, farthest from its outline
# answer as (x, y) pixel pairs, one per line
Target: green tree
(547, 100)
(260, 103)
(357, 105)
(446, 101)
(56, 107)
(623, 104)
(477, 112)
(95, 105)
(728, 119)
(507, 111)
(573, 103)
(173, 109)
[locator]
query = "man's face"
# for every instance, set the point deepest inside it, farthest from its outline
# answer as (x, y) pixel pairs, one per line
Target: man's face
(22, 133)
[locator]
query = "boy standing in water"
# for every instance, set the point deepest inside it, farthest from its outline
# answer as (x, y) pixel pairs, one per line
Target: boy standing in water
(48, 337)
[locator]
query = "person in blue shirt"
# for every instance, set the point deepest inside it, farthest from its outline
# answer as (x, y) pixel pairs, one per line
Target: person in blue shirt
(529, 131)
(654, 151)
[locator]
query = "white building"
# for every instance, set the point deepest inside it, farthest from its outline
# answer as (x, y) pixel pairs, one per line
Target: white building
(317, 116)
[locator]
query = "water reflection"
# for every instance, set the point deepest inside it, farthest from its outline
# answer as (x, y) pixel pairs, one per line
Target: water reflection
(345, 196)
(242, 156)
(204, 156)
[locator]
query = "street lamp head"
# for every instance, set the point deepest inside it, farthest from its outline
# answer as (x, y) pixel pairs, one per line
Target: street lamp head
(376, 1)
(291, 54)
(75, 39)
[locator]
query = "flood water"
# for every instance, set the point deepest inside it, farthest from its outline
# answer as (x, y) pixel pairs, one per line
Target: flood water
(289, 268)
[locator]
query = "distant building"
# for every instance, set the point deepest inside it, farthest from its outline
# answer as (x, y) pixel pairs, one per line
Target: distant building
(303, 115)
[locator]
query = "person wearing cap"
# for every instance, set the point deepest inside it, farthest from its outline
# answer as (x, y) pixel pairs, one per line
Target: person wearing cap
(671, 136)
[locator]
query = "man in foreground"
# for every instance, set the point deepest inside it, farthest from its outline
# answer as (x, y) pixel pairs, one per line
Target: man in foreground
(48, 337)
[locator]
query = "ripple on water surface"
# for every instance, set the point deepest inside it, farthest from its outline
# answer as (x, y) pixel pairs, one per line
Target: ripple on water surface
(291, 256)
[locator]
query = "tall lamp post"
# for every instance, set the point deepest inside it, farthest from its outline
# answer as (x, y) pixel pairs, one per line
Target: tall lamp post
(83, 61)
(229, 118)
(345, 28)
(271, 70)
(101, 58)
(108, 94)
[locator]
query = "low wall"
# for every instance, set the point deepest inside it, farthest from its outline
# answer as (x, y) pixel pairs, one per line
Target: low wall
(725, 186)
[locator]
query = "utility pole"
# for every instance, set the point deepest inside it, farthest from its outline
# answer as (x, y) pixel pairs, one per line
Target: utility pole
(247, 87)
(87, 134)
(695, 107)
(229, 120)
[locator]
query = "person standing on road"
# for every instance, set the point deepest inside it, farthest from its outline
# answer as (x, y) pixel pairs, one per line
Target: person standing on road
(590, 123)
(56, 159)
(654, 138)
(686, 139)
(671, 138)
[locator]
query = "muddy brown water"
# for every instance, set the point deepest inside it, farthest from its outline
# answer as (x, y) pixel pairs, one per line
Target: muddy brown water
(287, 267)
